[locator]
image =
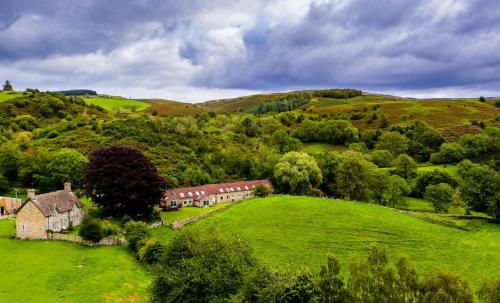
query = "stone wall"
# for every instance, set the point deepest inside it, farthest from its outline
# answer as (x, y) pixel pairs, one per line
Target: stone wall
(109, 241)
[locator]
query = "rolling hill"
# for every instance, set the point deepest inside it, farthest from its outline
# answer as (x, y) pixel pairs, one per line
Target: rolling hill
(302, 231)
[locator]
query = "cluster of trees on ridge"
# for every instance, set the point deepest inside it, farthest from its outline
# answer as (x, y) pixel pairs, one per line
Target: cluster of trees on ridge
(39, 132)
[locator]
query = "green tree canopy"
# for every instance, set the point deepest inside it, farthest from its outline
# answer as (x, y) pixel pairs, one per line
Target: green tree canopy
(297, 173)
(440, 195)
(394, 142)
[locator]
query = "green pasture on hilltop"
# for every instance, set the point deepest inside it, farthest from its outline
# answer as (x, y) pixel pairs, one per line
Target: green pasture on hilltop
(117, 103)
(4, 96)
(302, 231)
(50, 271)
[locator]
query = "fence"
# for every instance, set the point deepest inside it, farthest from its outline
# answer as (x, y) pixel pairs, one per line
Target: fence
(109, 241)
(179, 224)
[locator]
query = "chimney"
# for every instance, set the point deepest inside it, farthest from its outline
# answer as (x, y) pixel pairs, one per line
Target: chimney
(67, 186)
(31, 194)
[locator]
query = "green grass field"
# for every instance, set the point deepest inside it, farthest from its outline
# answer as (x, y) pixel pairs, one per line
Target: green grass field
(295, 231)
(43, 271)
(4, 96)
(188, 212)
(449, 168)
(117, 103)
(313, 148)
(7, 227)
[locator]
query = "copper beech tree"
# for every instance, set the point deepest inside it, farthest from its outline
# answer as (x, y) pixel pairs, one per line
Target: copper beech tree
(123, 181)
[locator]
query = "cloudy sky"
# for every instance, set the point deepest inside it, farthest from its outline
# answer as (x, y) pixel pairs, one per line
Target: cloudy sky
(194, 50)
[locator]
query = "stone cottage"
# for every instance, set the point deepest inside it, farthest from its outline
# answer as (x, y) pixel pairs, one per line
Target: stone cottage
(210, 194)
(8, 206)
(53, 211)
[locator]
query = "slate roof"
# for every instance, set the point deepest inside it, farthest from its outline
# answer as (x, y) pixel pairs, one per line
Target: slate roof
(60, 201)
(212, 189)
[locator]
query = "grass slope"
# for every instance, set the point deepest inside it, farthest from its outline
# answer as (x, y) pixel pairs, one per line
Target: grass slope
(43, 271)
(4, 96)
(188, 212)
(296, 231)
(168, 108)
(451, 117)
(117, 103)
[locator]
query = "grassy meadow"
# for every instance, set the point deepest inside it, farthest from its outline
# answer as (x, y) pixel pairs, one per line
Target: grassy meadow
(188, 212)
(117, 103)
(43, 271)
(4, 96)
(301, 231)
(169, 108)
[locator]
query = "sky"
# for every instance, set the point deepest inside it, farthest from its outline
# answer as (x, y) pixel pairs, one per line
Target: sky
(193, 50)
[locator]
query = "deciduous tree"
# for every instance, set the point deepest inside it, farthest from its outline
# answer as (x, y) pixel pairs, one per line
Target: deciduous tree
(123, 182)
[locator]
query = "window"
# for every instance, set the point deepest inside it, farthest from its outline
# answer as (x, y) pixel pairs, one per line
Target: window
(222, 198)
(185, 202)
(173, 203)
(205, 202)
(23, 226)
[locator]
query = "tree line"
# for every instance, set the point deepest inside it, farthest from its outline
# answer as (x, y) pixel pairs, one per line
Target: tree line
(210, 267)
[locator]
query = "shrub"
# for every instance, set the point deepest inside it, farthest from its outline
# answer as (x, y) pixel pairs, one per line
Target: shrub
(316, 192)
(394, 142)
(405, 166)
(395, 193)
(446, 287)
(151, 252)
(135, 233)
(261, 190)
(448, 153)
(382, 158)
(482, 99)
(91, 230)
(440, 195)
(431, 177)
(489, 291)
(109, 229)
(497, 103)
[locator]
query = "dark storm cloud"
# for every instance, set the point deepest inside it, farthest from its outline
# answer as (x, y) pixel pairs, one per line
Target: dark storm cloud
(385, 45)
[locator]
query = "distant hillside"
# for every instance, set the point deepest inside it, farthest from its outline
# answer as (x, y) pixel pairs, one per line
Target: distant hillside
(170, 108)
(239, 104)
(453, 117)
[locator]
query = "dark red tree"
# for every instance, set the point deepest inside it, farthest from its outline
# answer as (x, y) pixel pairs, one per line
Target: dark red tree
(123, 181)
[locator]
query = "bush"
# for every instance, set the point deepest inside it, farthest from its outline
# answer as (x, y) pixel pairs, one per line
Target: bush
(497, 103)
(382, 158)
(316, 192)
(261, 190)
(135, 233)
(109, 229)
(91, 230)
(446, 287)
(489, 291)
(448, 153)
(151, 252)
(440, 195)
(432, 177)
(404, 166)
(202, 267)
